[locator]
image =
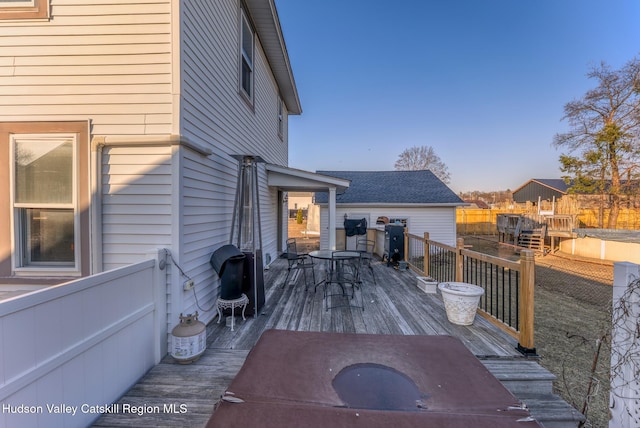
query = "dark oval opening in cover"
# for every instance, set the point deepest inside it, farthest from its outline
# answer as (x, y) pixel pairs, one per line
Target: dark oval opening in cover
(377, 387)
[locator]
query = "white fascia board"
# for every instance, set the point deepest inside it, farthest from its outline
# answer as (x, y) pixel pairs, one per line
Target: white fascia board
(300, 180)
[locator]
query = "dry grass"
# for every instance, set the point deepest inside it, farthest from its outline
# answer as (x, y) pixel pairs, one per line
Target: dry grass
(572, 312)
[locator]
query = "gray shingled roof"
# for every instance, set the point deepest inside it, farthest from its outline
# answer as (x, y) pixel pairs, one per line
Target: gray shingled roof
(391, 187)
(555, 183)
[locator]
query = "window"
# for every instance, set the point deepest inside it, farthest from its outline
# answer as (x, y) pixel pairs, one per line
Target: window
(280, 118)
(24, 9)
(44, 204)
(246, 57)
(394, 220)
(44, 178)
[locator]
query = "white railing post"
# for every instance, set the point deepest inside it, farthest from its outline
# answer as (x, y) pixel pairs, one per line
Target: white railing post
(625, 346)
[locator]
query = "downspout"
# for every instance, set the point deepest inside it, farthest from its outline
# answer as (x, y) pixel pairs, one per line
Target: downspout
(97, 143)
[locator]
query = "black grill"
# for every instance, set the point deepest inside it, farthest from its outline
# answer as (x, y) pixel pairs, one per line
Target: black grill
(228, 262)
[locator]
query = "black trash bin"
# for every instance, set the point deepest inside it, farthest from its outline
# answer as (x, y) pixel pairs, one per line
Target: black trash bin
(228, 262)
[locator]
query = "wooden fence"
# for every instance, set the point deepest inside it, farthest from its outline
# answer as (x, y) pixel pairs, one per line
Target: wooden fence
(475, 221)
(508, 301)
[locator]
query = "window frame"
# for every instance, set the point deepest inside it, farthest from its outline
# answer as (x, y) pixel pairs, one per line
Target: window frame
(21, 259)
(280, 118)
(36, 9)
(247, 58)
(10, 266)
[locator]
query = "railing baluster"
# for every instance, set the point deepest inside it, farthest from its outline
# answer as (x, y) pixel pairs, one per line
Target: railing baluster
(504, 295)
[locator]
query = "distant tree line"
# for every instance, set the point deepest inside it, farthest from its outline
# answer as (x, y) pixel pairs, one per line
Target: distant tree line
(491, 197)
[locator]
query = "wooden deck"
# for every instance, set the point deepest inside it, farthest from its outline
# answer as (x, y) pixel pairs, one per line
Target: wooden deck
(394, 305)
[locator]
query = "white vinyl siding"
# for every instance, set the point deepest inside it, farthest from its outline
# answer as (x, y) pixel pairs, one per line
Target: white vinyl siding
(440, 222)
(135, 69)
(207, 208)
(110, 62)
(215, 115)
(136, 203)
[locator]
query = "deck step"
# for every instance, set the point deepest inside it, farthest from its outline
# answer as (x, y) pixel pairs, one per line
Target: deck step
(532, 384)
(521, 376)
(552, 411)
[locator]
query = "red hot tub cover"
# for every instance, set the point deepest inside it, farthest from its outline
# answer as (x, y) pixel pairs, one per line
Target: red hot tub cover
(286, 381)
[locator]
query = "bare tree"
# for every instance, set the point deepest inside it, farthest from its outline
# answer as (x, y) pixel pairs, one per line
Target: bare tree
(420, 158)
(603, 139)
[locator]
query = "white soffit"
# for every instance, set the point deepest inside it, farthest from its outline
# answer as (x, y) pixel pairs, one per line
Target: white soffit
(297, 180)
(267, 23)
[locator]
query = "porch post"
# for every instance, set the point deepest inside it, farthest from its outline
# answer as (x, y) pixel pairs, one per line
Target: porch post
(332, 218)
(459, 260)
(528, 279)
(426, 262)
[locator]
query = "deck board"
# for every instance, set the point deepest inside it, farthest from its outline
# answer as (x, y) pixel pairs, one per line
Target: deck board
(394, 305)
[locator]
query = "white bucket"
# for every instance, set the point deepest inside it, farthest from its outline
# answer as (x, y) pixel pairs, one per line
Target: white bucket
(460, 301)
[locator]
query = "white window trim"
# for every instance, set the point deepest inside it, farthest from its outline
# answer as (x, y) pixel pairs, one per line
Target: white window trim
(16, 246)
(17, 4)
(243, 57)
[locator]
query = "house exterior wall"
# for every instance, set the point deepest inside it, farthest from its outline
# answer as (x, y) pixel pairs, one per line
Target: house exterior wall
(110, 62)
(141, 73)
(215, 115)
(136, 203)
(532, 191)
(440, 222)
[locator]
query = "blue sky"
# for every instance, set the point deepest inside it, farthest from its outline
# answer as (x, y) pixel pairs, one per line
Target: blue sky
(482, 82)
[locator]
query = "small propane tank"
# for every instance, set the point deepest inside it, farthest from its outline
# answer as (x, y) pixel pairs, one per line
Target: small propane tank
(188, 339)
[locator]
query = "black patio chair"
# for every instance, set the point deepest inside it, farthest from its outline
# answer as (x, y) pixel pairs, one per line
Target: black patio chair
(367, 248)
(345, 272)
(298, 261)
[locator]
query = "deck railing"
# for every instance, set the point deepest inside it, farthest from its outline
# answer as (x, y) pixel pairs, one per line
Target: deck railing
(508, 285)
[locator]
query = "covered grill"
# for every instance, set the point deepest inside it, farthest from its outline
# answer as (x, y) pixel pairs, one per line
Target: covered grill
(228, 262)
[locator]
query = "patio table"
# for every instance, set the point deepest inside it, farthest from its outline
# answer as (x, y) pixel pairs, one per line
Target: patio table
(337, 275)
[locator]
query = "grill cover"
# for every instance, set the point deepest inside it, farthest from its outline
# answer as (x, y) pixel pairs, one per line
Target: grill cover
(228, 262)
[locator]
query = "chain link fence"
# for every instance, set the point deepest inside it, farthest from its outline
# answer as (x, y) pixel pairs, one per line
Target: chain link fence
(573, 301)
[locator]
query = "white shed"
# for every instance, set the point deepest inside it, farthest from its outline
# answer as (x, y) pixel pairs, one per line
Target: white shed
(417, 199)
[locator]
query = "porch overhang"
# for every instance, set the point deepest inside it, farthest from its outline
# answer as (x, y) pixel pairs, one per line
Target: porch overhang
(296, 180)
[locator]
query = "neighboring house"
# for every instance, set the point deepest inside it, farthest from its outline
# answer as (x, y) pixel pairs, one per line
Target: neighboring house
(541, 189)
(118, 126)
(538, 189)
(417, 199)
